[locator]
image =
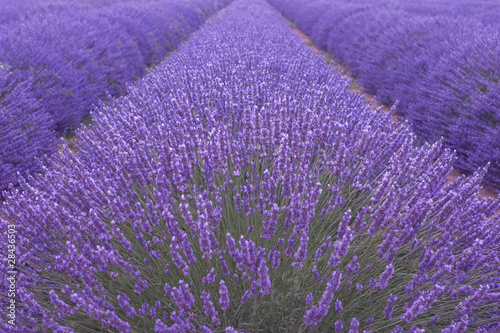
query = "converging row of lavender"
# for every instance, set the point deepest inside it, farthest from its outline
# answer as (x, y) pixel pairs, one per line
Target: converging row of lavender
(59, 58)
(239, 187)
(439, 60)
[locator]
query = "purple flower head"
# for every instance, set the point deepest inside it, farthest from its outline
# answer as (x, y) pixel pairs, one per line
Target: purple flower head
(353, 266)
(324, 247)
(309, 298)
(339, 326)
(205, 329)
(338, 306)
(123, 301)
(390, 306)
(386, 276)
(315, 273)
(246, 296)
(143, 309)
(210, 311)
(210, 277)
(183, 297)
(354, 326)
(224, 296)
(342, 229)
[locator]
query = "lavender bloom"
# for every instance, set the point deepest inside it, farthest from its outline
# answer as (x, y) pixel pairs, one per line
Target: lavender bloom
(316, 313)
(353, 266)
(385, 277)
(354, 326)
(339, 326)
(326, 245)
(338, 306)
(205, 329)
(309, 298)
(123, 300)
(315, 273)
(390, 306)
(274, 257)
(210, 278)
(224, 296)
(183, 297)
(209, 308)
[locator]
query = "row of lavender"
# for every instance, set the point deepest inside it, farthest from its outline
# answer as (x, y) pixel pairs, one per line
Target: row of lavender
(240, 187)
(440, 61)
(60, 61)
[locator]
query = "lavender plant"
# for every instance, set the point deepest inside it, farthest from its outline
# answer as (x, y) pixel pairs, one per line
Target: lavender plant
(437, 59)
(26, 136)
(240, 188)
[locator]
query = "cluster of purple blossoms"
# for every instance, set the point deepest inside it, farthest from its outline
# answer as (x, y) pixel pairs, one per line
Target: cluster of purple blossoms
(437, 61)
(240, 187)
(63, 57)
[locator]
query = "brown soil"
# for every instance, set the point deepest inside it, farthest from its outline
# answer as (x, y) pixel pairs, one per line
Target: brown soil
(487, 191)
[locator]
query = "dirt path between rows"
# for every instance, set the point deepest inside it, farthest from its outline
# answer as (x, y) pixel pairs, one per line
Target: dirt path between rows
(487, 191)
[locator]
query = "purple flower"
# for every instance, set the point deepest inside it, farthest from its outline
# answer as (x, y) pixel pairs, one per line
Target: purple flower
(246, 296)
(309, 298)
(315, 314)
(339, 326)
(324, 247)
(208, 305)
(338, 306)
(210, 277)
(223, 296)
(183, 297)
(390, 306)
(315, 273)
(354, 326)
(386, 276)
(205, 329)
(123, 300)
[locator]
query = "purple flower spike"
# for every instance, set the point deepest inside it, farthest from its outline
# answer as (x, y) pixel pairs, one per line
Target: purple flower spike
(338, 306)
(390, 306)
(339, 326)
(224, 296)
(210, 278)
(309, 298)
(210, 311)
(354, 326)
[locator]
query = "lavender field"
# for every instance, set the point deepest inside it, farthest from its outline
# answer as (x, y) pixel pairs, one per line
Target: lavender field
(194, 166)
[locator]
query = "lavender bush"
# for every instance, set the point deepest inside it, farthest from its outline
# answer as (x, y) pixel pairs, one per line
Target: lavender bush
(240, 188)
(69, 56)
(426, 56)
(25, 136)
